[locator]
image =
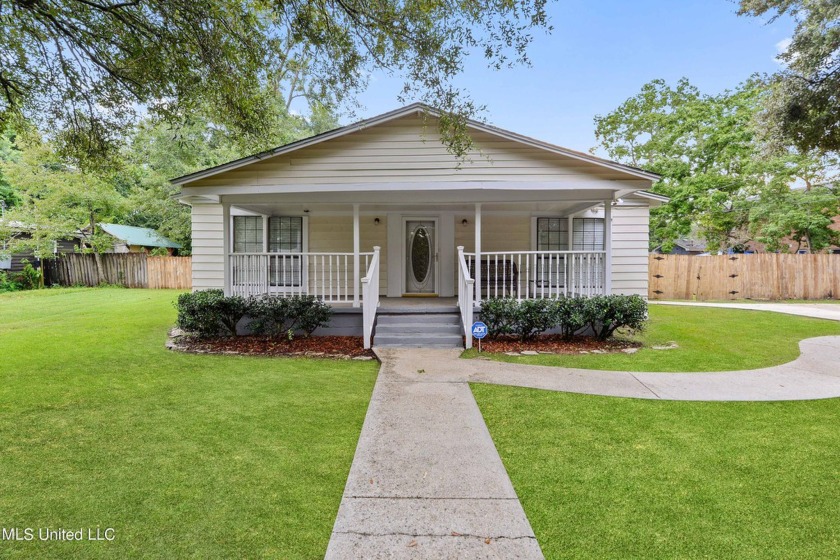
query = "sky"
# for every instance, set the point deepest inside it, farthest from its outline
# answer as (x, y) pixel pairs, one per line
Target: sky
(600, 53)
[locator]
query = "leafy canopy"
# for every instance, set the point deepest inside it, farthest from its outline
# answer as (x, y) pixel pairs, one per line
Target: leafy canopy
(712, 164)
(804, 108)
(801, 217)
(88, 68)
(56, 199)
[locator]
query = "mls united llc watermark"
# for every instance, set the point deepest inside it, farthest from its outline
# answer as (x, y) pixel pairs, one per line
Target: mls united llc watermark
(60, 535)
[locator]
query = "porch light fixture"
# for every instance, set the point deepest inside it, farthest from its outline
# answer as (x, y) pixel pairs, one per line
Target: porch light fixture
(464, 222)
(376, 221)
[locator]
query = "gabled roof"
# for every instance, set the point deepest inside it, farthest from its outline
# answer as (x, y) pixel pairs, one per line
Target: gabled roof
(144, 237)
(402, 112)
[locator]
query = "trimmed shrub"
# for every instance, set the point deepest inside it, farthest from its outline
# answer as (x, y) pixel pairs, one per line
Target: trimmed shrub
(209, 313)
(534, 316)
(570, 316)
(269, 315)
(309, 313)
(528, 318)
(606, 314)
(284, 316)
(500, 315)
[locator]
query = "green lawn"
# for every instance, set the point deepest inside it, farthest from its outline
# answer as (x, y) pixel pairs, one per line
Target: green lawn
(183, 455)
(604, 477)
(709, 339)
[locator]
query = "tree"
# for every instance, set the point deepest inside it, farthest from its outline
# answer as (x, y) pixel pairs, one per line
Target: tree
(804, 108)
(801, 216)
(89, 67)
(156, 152)
(56, 200)
(8, 153)
(706, 150)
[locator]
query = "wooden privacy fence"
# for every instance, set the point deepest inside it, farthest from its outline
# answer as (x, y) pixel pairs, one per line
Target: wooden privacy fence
(169, 272)
(762, 276)
(132, 270)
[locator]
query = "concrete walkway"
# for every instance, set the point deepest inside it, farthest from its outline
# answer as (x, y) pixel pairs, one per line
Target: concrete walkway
(815, 374)
(427, 482)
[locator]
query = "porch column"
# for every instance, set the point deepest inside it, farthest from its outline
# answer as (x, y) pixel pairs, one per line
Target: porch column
(478, 252)
(226, 245)
(608, 246)
(356, 262)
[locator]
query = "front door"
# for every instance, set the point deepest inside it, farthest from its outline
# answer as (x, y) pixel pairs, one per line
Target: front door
(420, 257)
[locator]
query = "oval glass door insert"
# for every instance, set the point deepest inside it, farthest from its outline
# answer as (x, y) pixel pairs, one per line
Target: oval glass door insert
(420, 255)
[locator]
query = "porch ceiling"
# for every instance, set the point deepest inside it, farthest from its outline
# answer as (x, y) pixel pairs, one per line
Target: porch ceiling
(549, 207)
(460, 201)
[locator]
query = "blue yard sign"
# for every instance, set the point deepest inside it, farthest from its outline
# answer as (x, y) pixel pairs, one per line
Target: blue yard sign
(479, 330)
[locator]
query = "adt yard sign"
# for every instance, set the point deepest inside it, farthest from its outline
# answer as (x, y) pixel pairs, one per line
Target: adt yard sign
(479, 330)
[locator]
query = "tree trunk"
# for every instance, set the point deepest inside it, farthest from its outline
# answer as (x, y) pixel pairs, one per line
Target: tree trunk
(97, 259)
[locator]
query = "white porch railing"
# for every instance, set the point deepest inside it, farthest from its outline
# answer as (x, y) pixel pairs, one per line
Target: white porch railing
(466, 290)
(370, 297)
(539, 274)
(328, 276)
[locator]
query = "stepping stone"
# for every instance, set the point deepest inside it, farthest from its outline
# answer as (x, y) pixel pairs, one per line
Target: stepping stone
(363, 358)
(512, 354)
(629, 350)
(530, 353)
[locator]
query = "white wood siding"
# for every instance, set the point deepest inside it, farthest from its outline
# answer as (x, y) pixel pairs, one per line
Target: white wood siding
(631, 228)
(498, 233)
(208, 257)
(409, 150)
(334, 234)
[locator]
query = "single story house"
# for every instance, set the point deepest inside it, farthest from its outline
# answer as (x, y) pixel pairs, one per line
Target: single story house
(132, 239)
(381, 209)
(13, 263)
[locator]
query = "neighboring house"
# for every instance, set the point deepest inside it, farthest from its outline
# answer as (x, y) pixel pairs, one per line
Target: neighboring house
(381, 208)
(131, 239)
(685, 246)
(14, 262)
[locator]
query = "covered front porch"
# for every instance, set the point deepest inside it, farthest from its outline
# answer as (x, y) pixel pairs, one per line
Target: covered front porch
(354, 255)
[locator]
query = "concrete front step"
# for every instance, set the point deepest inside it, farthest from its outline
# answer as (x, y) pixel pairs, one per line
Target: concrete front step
(419, 340)
(398, 329)
(402, 318)
(418, 330)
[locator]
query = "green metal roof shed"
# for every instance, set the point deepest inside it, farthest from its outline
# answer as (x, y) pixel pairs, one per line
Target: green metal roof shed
(144, 237)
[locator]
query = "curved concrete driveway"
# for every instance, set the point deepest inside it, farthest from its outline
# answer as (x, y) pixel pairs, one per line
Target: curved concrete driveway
(829, 311)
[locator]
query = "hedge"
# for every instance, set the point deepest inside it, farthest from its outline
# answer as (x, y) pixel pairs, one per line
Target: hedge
(571, 316)
(209, 313)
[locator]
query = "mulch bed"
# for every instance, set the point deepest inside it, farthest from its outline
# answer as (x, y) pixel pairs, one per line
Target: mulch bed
(554, 344)
(336, 347)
